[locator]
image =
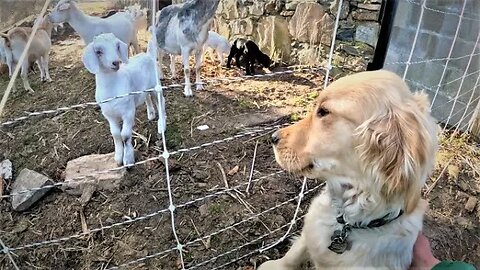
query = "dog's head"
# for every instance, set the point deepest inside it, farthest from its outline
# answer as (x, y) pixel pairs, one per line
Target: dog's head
(105, 53)
(367, 127)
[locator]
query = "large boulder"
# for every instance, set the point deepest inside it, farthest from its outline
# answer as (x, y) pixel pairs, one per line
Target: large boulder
(311, 24)
(273, 37)
(233, 9)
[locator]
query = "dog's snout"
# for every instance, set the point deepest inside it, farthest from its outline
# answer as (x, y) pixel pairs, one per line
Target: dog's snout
(116, 64)
(275, 137)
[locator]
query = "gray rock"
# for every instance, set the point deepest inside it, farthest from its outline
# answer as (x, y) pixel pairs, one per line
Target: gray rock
(343, 11)
(365, 15)
(257, 9)
(242, 27)
(373, 7)
(367, 33)
(88, 167)
(471, 203)
(292, 4)
(26, 180)
(274, 6)
(346, 34)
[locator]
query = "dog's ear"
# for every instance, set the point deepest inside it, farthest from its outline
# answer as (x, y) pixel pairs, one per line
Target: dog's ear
(122, 48)
(397, 148)
(90, 59)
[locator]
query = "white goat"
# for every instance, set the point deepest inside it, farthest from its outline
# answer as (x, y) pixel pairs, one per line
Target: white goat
(219, 44)
(107, 57)
(182, 29)
(139, 16)
(15, 43)
(120, 24)
(216, 43)
(3, 55)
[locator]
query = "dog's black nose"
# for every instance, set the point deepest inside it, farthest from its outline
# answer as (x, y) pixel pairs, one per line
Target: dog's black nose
(276, 137)
(116, 64)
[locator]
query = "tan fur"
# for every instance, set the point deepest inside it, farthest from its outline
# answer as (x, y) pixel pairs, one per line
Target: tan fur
(375, 146)
(16, 40)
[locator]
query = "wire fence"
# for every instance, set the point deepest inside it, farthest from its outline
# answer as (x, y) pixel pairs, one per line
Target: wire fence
(262, 242)
(452, 81)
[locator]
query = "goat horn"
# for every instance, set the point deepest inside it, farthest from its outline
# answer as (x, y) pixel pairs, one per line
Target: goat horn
(3, 35)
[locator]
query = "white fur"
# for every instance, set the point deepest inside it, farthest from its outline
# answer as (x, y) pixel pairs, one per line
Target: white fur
(134, 74)
(15, 42)
(216, 43)
(176, 43)
(120, 24)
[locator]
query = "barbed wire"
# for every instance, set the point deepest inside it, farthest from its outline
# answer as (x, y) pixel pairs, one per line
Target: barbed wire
(171, 86)
(199, 239)
(431, 60)
(444, 12)
(83, 179)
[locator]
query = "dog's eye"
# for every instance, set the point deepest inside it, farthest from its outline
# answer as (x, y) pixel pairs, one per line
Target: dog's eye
(322, 112)
(98, 52)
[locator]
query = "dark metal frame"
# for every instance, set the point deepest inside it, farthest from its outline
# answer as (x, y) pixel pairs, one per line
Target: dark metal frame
(386, 19)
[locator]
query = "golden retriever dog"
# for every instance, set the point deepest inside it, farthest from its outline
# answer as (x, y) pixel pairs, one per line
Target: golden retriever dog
(374, 144)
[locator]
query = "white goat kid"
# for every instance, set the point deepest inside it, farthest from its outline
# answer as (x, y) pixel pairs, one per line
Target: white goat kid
(120, 24)
(107, 57)
(15, 41)
(219, 44)
(216, 43)
(182, 29)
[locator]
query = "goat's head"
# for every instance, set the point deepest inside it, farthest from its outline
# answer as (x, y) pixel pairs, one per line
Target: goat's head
(265, 60)
(105, 53)
(61, 12)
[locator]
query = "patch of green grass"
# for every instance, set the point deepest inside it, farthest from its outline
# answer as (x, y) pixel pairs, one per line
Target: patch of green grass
(246, 103)
(295, 117)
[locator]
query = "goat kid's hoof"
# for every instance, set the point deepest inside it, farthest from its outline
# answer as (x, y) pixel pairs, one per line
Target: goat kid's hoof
(200, 87)
(151, 116)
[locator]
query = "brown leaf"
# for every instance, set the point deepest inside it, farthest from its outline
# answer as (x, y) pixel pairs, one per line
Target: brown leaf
(233, 171)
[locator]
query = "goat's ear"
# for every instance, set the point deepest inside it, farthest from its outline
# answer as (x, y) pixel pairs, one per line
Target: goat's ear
(397, 148)
(122, 48)
(90, 59)
(64, 6)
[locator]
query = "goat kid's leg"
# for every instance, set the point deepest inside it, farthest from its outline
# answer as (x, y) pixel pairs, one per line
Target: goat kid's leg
(186, 71)
(160, 64)
(150, 107)
(198, 67)
(46, 61)
(220, 58)
(292, 260)
(115, 130)
(162, 114)
(173, 70)
(233, 52)
(24, 75)
(40, 67)
(248, 65)
(127, 130)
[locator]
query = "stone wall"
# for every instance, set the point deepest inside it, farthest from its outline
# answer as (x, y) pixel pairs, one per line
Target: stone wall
(298, 31)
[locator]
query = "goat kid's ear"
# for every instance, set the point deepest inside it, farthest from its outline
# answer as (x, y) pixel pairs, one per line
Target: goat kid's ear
(123, 51)
(90, 59)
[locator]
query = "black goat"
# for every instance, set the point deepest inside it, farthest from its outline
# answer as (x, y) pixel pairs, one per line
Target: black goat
(251, 54)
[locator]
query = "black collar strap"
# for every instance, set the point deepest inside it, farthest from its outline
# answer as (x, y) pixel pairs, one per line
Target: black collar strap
(340, 242)
(373, 224)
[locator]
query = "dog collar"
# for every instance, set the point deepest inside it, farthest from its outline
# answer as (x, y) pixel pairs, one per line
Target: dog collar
(340, 243)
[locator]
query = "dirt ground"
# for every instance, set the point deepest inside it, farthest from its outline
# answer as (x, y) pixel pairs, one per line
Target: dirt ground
(46, 144)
